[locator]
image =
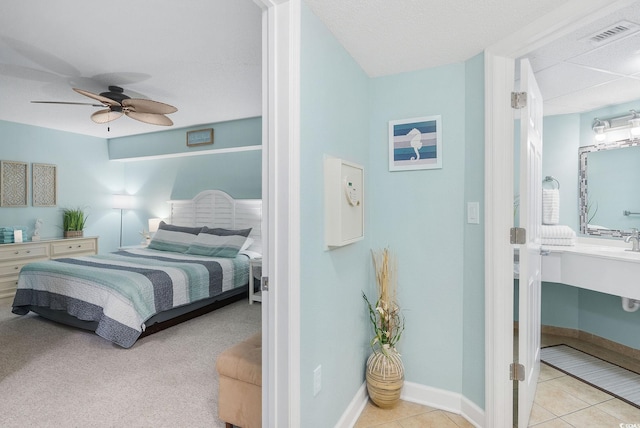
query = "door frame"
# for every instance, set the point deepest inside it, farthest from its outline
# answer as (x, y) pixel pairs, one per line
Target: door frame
(499, 140)
(281, 211)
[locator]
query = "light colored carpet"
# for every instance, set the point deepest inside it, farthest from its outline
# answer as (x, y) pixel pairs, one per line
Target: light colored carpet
(615, 380)
(57, 376)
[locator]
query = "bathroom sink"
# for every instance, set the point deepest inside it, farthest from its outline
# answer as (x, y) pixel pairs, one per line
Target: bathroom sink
(608, 252)
(611, 270)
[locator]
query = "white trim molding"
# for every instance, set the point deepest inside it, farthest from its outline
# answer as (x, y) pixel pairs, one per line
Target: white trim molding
(281, 207)
(443, 400)
(355, 408)
(188, 154)
(415, 393)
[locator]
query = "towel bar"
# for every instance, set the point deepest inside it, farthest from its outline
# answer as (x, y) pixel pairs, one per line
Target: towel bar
(550, 178)
(625, 212)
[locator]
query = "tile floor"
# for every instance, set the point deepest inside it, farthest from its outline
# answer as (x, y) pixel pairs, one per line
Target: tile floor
(561, 401)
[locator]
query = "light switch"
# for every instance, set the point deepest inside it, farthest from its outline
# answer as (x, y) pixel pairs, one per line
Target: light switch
(473, 212)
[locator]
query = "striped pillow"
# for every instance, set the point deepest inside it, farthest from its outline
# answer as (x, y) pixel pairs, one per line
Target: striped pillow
(173, 238)
(218, 242)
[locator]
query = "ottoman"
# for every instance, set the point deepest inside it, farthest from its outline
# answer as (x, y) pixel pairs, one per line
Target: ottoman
(240, 384)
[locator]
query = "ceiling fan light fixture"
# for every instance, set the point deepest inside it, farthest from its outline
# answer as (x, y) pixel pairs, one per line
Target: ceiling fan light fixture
(115, 103)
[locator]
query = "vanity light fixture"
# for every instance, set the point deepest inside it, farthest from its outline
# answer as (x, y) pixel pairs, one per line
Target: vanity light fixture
(630, 121)
(600, 135)
(635, 127)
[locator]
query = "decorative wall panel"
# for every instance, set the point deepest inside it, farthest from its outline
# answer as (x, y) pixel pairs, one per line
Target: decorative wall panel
(13, 184)
(45, 184)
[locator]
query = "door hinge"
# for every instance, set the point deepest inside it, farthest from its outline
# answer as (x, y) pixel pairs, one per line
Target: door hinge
(518, 235)
(518, 99)
(264, 283)
(516, 372)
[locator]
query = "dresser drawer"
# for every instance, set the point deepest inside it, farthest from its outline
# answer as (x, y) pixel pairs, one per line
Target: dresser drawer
(11, 269)
(74, 247)
(24, 252)
(8, 287)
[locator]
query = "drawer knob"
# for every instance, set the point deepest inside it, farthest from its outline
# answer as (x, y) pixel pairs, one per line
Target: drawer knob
(28, 251)
(17, 252)
(70, 246)
(17, 267)
(79, 246)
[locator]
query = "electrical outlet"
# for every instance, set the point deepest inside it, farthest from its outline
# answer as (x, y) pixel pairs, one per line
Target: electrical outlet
(317, 380)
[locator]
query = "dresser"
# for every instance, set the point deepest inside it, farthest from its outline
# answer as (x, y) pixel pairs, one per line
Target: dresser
(14, 256)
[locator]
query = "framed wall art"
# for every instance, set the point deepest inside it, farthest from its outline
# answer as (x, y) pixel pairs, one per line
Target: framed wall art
(415, 143)
(200, 137)
(44, 185)
(13, 184)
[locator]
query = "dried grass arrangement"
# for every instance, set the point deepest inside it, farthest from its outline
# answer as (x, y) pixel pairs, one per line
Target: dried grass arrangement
(385, 316)
(385, 371)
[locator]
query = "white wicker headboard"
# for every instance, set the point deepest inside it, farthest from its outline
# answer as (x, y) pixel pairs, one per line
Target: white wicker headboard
(215, 208)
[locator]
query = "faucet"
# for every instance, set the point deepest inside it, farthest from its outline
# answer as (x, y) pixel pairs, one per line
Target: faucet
(635, 238)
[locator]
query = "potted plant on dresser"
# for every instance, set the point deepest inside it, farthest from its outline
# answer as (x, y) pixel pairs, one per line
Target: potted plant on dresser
(385, 371)
(73, 222)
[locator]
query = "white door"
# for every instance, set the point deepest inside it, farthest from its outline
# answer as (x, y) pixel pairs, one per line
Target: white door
(530, 262)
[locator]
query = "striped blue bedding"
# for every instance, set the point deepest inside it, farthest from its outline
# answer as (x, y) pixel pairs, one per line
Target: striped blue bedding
(122, 290)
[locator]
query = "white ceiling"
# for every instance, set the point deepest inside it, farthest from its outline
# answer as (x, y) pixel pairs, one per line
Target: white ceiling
(201, 56)
(576, 75)
(204, 56)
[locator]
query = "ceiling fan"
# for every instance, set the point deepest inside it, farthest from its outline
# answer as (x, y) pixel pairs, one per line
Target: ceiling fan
(117, 103)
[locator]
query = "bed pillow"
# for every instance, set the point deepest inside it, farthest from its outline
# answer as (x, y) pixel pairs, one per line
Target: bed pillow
(219, 242)
(173, 238)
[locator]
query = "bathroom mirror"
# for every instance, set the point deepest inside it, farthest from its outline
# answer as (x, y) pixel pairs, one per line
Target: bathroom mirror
(609, 197)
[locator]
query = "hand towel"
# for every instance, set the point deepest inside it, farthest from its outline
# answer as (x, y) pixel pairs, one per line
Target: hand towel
(557, 231)
(550, 206)
(558, 241)
(557, 235)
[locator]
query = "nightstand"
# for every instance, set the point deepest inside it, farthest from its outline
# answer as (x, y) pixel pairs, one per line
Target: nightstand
(255, 271)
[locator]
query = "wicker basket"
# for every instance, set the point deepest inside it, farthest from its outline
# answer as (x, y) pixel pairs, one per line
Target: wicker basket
(385, 378)
(73, 233)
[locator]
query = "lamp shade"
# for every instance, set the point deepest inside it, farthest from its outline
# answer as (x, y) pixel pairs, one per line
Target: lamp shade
(122, 202)
(154, 223)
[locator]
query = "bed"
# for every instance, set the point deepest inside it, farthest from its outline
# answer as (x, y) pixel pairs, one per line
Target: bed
(197, 262)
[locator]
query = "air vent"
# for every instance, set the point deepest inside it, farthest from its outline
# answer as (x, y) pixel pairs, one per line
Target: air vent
(613, 32)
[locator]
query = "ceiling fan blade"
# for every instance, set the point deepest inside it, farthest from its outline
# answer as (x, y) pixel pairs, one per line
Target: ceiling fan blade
(148, 106)
(106, 115)
(106, 101)
(67, 102)
(153, 119)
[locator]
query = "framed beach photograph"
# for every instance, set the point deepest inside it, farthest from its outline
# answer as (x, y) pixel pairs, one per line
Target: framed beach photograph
(415, 143)
(200, 137)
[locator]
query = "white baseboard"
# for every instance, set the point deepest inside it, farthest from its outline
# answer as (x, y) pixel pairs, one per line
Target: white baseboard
(354, 409)
(416, 393)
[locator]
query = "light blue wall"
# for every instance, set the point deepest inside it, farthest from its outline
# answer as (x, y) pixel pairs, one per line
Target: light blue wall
(153, 182)
(473, 297)
(335, 331)
(86, 178)
(560, 160)
(233, 133)
(419, 214)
